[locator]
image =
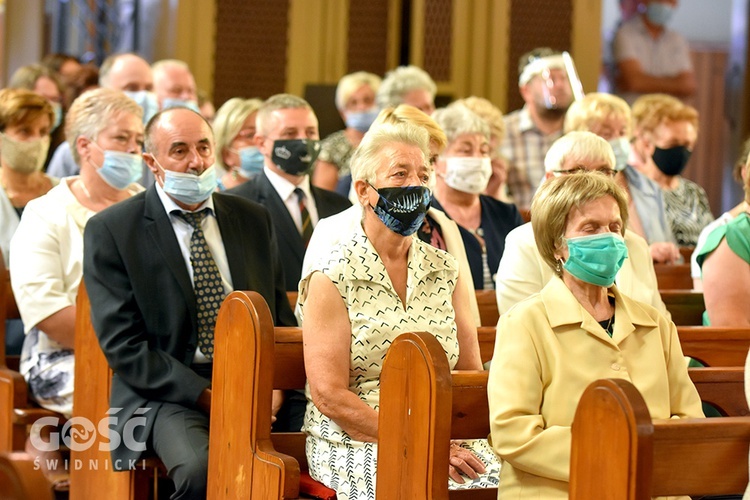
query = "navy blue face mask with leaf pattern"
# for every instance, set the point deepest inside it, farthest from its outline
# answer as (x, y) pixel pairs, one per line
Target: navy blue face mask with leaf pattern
(402, 209)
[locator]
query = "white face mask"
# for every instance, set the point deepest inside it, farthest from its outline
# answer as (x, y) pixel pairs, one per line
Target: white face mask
(468, 174)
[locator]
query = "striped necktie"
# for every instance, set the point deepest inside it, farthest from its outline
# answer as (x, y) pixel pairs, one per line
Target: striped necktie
(307, 227)
(209, 290)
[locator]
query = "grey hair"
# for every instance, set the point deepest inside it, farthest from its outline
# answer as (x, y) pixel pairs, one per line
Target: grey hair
(400, 82)
(228, 123)
(351, 83)
(276, 102)
(93, 111)
(457, 119)
(579, 146)
(149, 146)
(368, 156)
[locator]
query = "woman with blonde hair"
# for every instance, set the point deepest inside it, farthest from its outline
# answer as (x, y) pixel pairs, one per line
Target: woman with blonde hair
(665, 132)
(609, 117)
(355, 102)
(234, 131)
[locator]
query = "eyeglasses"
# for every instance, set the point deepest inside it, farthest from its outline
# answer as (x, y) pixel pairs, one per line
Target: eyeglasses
(581, 169)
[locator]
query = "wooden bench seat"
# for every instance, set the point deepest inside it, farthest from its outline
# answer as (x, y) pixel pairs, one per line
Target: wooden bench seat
(723, 388)
(619, 453)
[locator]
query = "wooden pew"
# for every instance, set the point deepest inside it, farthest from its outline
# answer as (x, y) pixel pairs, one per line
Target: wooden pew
(92, 387)
(246, 460)
(722, 387)
(17, 411)
(685, 306)
(487, 303)
(619, 453)
(21, 480)
(673, 276)
(715, 345)
(423, 405)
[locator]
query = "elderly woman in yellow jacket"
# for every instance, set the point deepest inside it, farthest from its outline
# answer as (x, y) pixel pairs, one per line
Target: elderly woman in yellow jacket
(578, 329)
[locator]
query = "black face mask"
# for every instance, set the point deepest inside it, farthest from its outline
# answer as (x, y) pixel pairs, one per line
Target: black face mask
(671, 161)
(402, 209)
(295, 156)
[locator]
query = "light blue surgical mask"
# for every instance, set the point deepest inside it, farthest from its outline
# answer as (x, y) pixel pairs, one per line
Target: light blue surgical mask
(659, 13)
(57, 108)
(251, 161)
(146, 100)
(119, 169)
(596, 259)
(188, 188)
(621, 148)
(361, 120)
(171, 102)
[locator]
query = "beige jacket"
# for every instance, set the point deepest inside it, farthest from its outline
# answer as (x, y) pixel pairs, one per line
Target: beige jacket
(548, 350)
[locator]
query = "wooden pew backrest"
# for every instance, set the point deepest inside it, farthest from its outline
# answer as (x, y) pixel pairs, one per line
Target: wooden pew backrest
(685, 306)
(619, 453)
(715, 345)
(242, 461)
(422, 406)
(723, 387)
(673, 276)
(487, 303)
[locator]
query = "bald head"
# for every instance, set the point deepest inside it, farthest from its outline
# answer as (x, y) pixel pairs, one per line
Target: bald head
(127, 72)
(173, 80)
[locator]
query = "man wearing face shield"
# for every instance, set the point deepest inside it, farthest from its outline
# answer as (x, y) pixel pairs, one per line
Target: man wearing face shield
(132, 75)
(547, 91)
(287, 136)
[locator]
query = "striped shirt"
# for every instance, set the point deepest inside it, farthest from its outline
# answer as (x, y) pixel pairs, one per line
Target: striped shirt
(524, 147)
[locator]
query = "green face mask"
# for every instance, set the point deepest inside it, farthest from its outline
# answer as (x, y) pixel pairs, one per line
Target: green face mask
(596, 259)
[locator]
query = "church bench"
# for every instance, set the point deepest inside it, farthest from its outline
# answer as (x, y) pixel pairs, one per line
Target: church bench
(685, 306)
(17, 411)
(715, 345)
(91, 401)
(673, 276)
(723, 388)
(423, 405)
(487, 303)
(20, 479)
(619, 453)
(251, 358)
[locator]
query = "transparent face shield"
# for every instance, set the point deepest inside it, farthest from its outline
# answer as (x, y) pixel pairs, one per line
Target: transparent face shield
(559, 82)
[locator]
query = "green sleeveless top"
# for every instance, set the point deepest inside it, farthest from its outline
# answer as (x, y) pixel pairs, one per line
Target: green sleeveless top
(737, 234)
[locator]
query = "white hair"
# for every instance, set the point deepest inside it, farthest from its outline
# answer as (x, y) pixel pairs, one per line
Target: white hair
(400, 82)
(368, 156)
(579, 146)
(351, 83)
(457, 120)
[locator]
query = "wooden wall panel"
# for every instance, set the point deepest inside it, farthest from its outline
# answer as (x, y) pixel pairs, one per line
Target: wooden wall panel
(535, 23)
(251, 45)
(368, 37)
(707, 163)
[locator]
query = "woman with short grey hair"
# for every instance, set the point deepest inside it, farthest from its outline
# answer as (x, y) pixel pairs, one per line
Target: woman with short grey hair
(463, 172)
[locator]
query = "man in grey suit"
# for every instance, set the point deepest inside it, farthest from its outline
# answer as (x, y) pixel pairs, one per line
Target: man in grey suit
(153, 303)
(287, 135)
